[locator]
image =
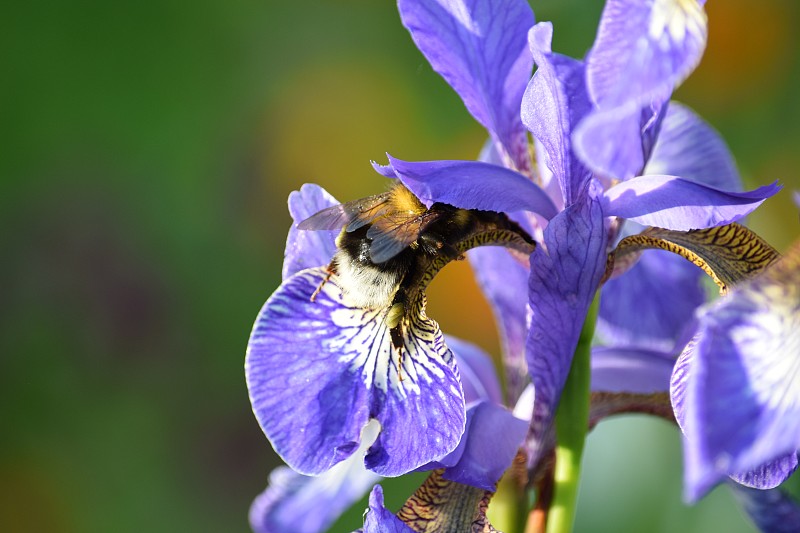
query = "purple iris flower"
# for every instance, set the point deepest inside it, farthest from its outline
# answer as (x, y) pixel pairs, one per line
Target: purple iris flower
(310, 504)
(563, 95)
(318, 371)
(610, 148)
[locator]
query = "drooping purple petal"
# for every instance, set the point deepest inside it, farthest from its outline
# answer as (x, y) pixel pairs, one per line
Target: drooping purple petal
(493, 437)
(768, 475)
(772, 511)
(644, 48)
(674, 203)
(696, 458)
(294, 503)
(634, 370)
(479, 48)
(307, 249)
(500, 276)
(563, 281)
(554, 102)
(688, 147)
(747, 355)
(472, 185)
(652, 304)
(378, 519)
(478, 377)
(318, 371)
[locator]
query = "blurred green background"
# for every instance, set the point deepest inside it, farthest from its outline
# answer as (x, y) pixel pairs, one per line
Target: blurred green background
(146, 155)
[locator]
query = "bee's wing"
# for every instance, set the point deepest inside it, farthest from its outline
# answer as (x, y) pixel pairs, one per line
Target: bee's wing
(395, 232)
(353, 214)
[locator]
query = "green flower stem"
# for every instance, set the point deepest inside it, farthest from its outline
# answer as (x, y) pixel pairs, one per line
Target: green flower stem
(572, 421)
(508, 508)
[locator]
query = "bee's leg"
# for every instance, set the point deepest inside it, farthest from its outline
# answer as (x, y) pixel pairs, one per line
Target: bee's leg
(329, 271)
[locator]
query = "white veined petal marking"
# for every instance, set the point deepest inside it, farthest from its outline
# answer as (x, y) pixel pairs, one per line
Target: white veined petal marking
(771, 337)
(364, 343)
(672, 20)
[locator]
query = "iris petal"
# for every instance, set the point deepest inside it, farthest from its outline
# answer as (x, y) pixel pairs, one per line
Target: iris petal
(318, 371)
(747, 354)
(472, 185)
(652, 304)
(493, 437)
(769, 475)
(500, 275)
(378, 519)
(478, 377)
(479, 48)
(643, 47)
(643, 50)
(294, 503)
(307, 249)
(772, 511)
(614, 143)
(562, 283)
(554, 102)
(677, 204)
(635, 370)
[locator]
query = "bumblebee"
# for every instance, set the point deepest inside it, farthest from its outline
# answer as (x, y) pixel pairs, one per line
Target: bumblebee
(391, 245)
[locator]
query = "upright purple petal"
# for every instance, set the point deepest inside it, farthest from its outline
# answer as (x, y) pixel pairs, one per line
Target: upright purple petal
(747, 355)
(472, 185)
(688, 147)
(563, 282)
(678, 204)
(644, 48)
(378, 519)
(308, 249)
(500, 276)
(479, 48)
(318, 371)
(652, 304)
(615, 143)
(553, 104)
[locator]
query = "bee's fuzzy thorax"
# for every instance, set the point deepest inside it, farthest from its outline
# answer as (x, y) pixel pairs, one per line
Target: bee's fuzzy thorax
(402, 199)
